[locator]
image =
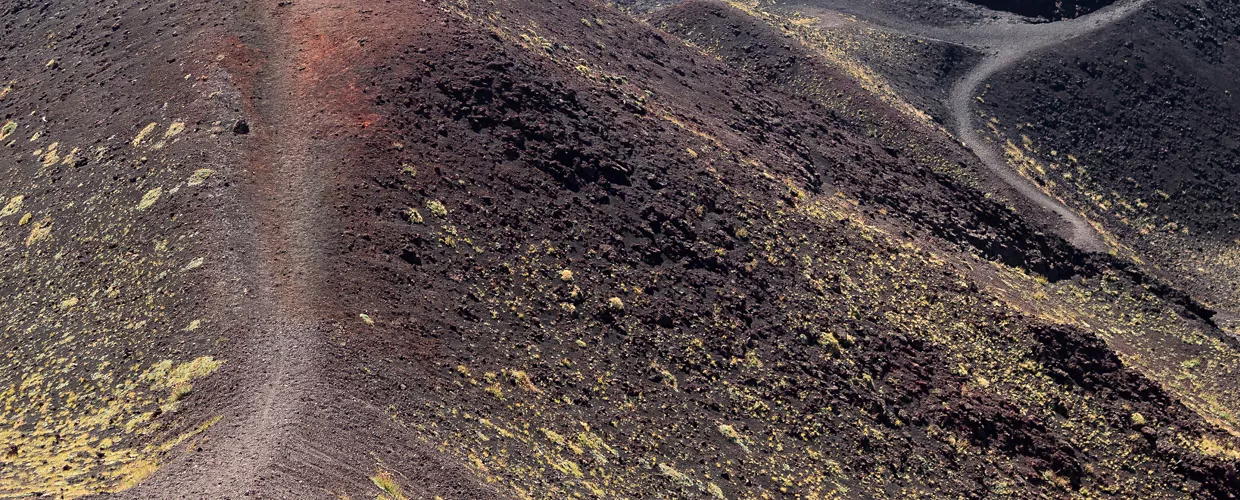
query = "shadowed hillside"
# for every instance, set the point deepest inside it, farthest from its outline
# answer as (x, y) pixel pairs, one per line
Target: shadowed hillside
(1137, 127)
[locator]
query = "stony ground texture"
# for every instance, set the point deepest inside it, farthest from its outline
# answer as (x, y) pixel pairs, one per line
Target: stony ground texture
(554, 248)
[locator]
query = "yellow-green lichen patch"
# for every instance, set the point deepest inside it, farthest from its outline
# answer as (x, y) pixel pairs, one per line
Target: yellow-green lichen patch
(73, 445)
(13, 206)
(193, 264)
(71, 158)
(52, 155)
(150, 198)
(167, 374)
(137, 140)
(85, 406)
(199, 176)
(521, 437)
(173, 130)
(7, 130)
(40, 231)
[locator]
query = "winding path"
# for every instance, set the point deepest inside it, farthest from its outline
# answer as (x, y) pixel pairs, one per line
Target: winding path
(1005, 44)
(1004, 40)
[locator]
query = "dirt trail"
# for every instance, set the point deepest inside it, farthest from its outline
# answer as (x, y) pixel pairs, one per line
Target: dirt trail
(279, 360)
(1005, 44)
(1004, 39)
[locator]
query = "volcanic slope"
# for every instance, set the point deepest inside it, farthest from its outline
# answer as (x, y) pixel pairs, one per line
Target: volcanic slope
(115, 297)
(1136, 126)
(546, 249)
(617, 264)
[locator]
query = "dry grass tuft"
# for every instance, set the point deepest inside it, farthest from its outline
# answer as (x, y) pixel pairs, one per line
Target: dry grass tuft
(387, 484)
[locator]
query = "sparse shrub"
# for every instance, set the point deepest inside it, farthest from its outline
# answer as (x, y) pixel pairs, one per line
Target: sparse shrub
(834, 468)
(734, 436)
(522, 379)
(415, 217)
(667, 378)
(752, 361)
(677, 477)
(829, 343)
(437, 209)
(387, 484)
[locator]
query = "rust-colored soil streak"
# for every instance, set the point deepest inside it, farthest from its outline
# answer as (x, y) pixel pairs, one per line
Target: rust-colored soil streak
(304, 107)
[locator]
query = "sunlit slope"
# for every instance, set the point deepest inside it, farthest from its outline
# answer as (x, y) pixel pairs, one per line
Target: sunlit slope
(110, 155)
